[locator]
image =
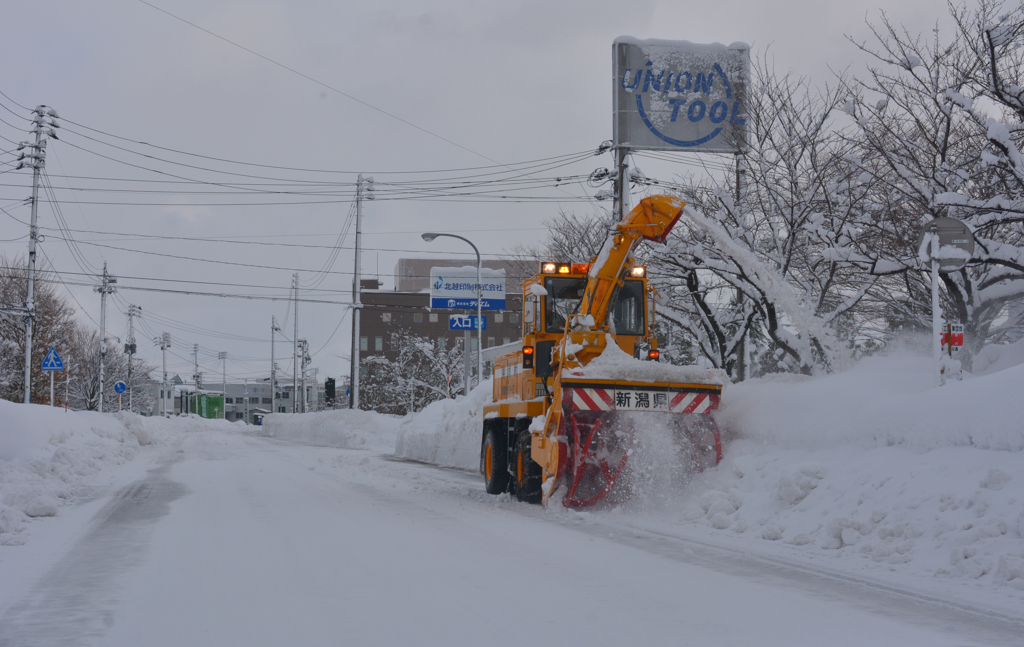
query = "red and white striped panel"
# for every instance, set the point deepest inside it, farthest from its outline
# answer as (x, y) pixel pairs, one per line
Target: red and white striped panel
(692, 402)
(593, 399)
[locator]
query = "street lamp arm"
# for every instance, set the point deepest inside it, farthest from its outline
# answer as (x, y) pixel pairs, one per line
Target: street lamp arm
(431, 236)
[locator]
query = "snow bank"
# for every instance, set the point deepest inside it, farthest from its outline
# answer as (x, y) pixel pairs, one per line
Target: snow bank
(998, 357)
(878, 464)
(46, 454)
(881, 402)
(446, 432)
(345, 428)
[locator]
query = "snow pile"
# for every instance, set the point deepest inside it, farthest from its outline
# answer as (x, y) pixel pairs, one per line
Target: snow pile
(998, 357)
(880, 465)
(881, 402)
(615, 364)
(876, 464)
(344, 428)
(447, 432)
(46, 454)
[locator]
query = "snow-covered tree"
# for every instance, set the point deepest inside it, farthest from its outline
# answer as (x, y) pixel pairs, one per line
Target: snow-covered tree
(54, 326)
(939, 130)
(758, 276)
(83, 363)
(422, 372)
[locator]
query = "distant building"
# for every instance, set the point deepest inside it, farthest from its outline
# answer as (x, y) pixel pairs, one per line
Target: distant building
(244, 400)
(407, 307)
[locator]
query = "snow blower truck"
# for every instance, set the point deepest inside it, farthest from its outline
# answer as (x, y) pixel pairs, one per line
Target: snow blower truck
(567, 408)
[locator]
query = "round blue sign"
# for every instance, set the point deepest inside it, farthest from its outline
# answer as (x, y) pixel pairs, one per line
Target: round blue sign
(120, 386)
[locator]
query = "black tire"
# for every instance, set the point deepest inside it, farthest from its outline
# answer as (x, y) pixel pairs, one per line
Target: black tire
(494, 459)
(526, 472)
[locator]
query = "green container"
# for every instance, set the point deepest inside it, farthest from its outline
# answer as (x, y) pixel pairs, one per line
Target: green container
(207, 405)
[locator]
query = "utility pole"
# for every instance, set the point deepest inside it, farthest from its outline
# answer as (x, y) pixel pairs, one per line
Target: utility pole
(315, 406)
(621, 182)
(273, 366)
(304, 352)
(223, 356)
(295, 348)
(197, 377)
(44, 120)
(364, 191)
(105, 287)
(165, 342)
(130, 349)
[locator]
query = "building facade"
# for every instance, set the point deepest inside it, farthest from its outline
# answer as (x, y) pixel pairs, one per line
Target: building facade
(244, 400)
(407, 308)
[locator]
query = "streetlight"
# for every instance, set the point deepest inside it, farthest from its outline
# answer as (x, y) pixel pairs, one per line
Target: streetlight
(429, 236)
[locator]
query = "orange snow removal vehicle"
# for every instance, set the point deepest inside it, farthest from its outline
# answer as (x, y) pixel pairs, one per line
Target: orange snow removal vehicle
(568, 408)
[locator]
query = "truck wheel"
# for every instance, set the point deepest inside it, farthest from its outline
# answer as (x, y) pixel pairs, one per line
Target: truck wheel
(527, 472)
(495, 461)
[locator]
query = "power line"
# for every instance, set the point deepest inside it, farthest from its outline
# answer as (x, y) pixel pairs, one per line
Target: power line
(320, 83)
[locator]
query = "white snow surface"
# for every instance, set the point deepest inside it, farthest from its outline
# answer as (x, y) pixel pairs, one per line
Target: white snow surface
(345, 429)
(875, 470)
(47, 455)
(447, 432)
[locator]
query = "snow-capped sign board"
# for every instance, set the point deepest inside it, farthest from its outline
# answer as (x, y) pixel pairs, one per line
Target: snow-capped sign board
(52, 361)
(956, 243)
(679, 96)
(454, 288)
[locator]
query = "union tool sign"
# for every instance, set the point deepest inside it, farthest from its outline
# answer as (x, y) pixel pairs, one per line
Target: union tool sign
(677, 95)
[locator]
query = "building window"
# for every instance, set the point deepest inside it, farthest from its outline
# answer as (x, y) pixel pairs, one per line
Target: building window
(280, 410)
(498, 317)
(363, 344)
(433, 317)
(505, 341)
(417, 317)
(490, 342)
(473, 345)
(514, 317)
(229, 400)
(284, 396)
(254, 400)
(266, 401)
(385, 317)
(378, 344)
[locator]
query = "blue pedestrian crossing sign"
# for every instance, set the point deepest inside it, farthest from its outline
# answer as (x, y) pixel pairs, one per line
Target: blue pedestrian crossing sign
(120, 387)
(52, 361)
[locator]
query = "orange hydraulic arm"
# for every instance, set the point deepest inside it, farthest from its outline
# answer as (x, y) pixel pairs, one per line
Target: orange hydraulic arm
(652, 219)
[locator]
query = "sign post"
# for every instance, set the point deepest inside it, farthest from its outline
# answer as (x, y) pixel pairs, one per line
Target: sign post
(948, 243)
(119, 388)
(51, 363)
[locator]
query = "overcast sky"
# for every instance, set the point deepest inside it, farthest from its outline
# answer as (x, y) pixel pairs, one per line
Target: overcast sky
(404, 91)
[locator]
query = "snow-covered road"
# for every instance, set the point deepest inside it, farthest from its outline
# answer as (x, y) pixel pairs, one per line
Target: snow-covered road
(227, 538)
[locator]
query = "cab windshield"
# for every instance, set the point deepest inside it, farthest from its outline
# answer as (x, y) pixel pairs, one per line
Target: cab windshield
(566, 294)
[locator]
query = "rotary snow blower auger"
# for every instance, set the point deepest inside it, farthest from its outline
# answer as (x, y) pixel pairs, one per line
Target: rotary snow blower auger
(567, 407)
